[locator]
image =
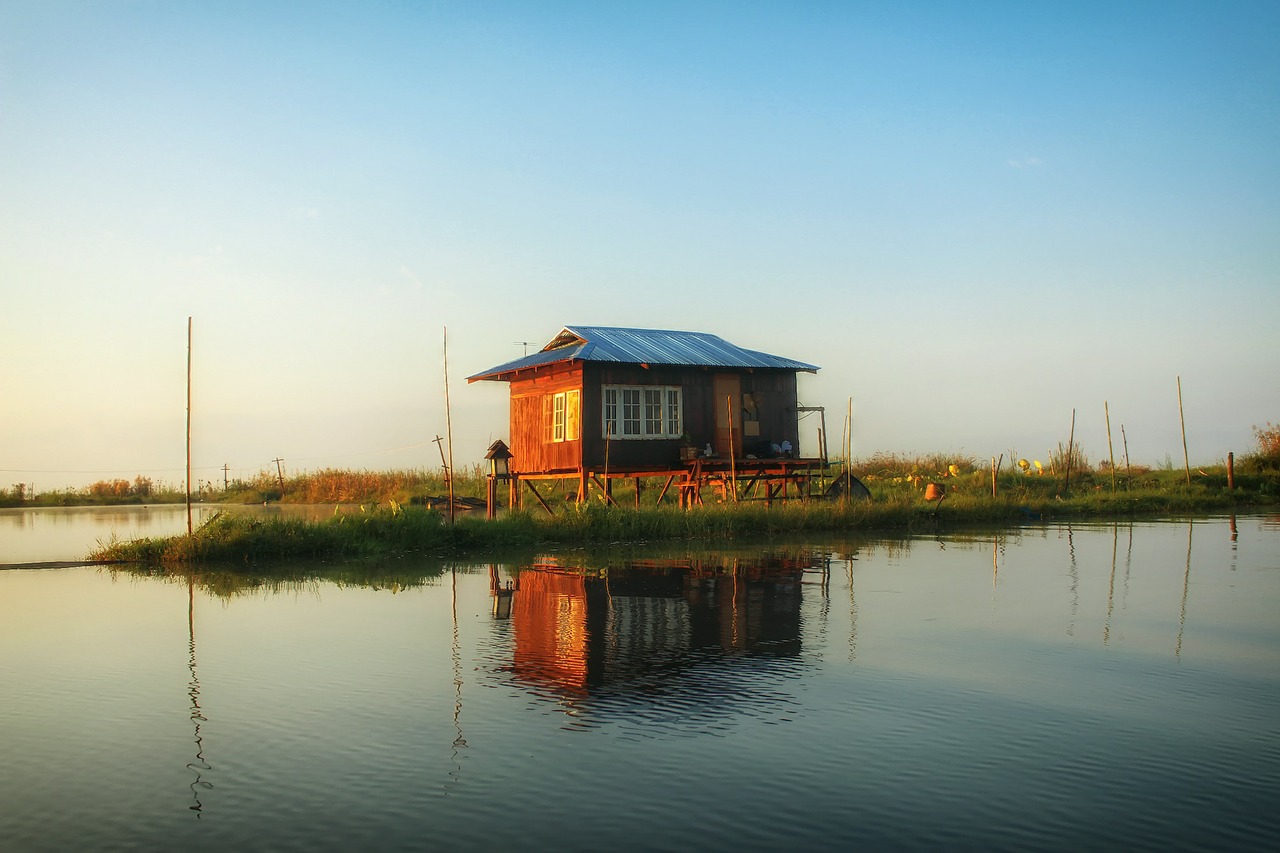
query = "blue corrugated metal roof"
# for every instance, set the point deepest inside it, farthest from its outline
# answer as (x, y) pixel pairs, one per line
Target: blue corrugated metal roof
(643, 346)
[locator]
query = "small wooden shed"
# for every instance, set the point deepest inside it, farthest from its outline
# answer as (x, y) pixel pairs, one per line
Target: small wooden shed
(611, 402)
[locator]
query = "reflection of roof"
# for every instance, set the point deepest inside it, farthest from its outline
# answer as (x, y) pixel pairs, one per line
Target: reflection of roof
(642, 346)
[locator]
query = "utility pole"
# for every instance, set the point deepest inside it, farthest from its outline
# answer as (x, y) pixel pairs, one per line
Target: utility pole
(225, 468)
(443, 463)
(280, 474)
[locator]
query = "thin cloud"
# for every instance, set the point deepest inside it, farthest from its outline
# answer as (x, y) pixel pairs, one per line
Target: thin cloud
(1025, 163)
(409, 274)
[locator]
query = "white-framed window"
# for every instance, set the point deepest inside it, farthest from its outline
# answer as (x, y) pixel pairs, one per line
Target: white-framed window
(562, 416)
(573, 415)
(642, 411)
(557, 417)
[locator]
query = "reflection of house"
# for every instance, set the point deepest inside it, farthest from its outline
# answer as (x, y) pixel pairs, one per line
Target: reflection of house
(577, 632)
(597, 403)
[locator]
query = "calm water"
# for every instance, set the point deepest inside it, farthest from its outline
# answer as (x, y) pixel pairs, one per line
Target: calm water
(1049, 688)
(70, 533)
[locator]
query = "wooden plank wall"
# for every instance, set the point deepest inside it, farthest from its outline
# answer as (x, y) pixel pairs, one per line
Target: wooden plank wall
(531, 453)
(773, 393)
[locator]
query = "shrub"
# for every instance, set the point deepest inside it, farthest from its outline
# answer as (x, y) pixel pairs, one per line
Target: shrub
(1268, 447)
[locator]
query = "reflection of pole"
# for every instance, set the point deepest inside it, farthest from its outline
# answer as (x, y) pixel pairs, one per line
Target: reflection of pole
(1075, 580)
(1128, 564)
(853, 614)
(734, 611)
(459, 742)
(995, 561)
(1234, 537)
(199, 765)
(1186, 583)
(1111, 590)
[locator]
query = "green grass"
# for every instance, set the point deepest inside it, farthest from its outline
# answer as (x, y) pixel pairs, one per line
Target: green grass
(232, 538)
(318, 487)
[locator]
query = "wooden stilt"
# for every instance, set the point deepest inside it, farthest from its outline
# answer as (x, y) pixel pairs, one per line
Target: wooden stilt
(544, 504)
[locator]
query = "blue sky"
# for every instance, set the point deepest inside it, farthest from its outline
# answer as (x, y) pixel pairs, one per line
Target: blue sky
(973, 216)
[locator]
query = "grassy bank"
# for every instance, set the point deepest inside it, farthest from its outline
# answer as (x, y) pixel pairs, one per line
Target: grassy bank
(240, 539)
(308, 487)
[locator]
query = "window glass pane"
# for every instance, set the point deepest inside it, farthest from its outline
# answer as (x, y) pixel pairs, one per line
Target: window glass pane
(571, 428)
(557, 431)
(631, 411)
(653, 411)
(610, 412)
(674, 427)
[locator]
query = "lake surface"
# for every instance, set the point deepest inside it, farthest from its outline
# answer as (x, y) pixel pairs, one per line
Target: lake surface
(60, 534)
(1058, 687)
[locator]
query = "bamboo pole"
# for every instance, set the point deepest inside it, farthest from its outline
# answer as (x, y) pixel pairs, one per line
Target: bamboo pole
(1128, 475)
(608, 431)
(1110, 452)
(993, 476)
(844, 443)
(189, 426)
(822, 440)
(448, 421)
(848, 447)
(733, 456)
(1066, 483)
(848, 454)
(1186, 460)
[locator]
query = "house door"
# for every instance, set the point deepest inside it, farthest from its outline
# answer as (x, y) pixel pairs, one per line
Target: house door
(727, 388)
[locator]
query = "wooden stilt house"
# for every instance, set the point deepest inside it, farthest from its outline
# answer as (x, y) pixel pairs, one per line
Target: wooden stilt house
(597, 403)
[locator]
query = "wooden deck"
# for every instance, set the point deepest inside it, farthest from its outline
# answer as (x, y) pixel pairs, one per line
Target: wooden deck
(688, 483)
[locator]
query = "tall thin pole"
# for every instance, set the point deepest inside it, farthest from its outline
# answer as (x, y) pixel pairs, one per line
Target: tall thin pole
(846, 450)
(448, 420)
(848, 454)
(848, 442)
(733, 456)
(1186, 460)
(822, 436)
(188, 426)
(1128, 475)
(1110, 451)
(1071, 441)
